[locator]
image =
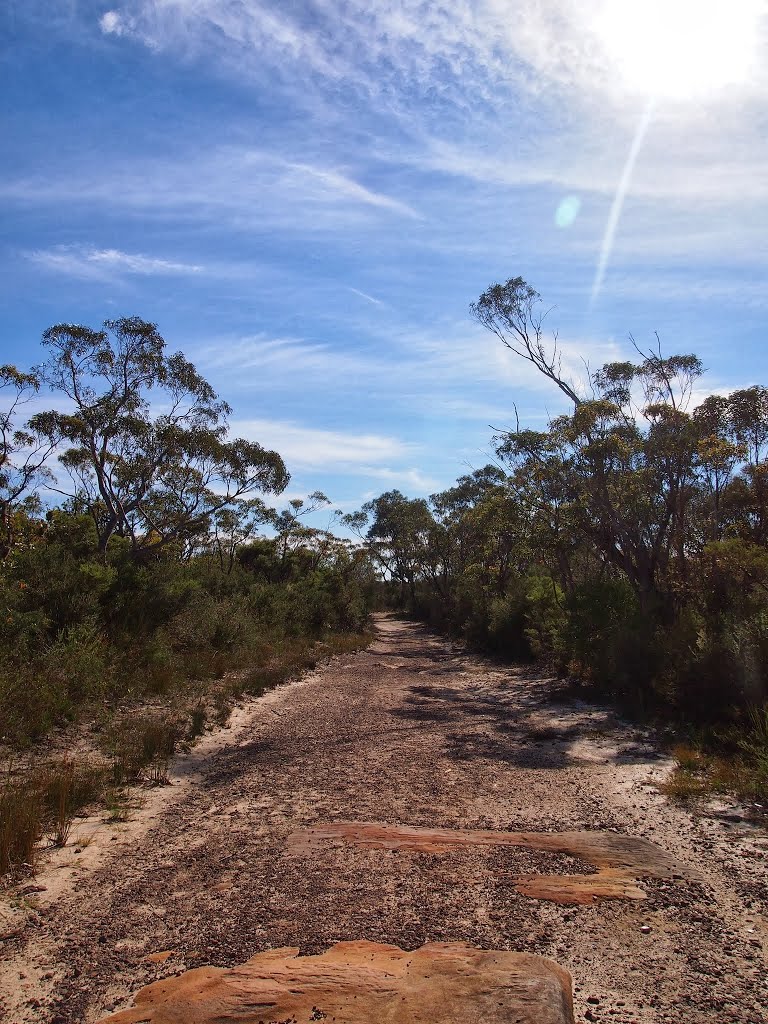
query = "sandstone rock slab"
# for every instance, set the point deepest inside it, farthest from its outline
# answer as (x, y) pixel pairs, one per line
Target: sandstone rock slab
(619, 859)
(364, 983)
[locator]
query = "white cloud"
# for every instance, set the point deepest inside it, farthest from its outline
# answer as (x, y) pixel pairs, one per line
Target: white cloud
(279, 359)
(538, 65)
(334, 185)
(78, 261)
(578, 160)
(112, 23)
(464, 372)
(748, 292)
(463, 44)
(317, 448)
(365, 295)
(247, 186)
(413, 478)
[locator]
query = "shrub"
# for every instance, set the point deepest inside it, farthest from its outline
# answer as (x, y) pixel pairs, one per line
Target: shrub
(141, 746)
(20, 824)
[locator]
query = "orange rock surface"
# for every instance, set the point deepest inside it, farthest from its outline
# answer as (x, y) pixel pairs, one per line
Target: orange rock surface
(620, 860)
(364, 983)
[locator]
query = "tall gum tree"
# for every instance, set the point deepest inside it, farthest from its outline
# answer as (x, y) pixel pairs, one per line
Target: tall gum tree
(145, 437)
(23, 455)
(619, 468)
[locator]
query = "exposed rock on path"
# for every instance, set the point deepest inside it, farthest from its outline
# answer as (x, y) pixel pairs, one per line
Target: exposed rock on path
(449, 983)
(416, 733)
(619, 859)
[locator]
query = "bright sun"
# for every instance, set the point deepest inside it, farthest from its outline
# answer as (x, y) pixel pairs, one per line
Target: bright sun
(680, 49)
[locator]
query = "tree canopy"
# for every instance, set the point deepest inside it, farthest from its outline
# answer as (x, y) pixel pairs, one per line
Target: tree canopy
(144, 436)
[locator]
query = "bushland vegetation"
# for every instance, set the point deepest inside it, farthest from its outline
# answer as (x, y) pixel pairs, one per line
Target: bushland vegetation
(156, 583)
(624, 545)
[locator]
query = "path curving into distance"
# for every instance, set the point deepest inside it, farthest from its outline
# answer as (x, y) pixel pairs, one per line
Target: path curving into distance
(414, 794)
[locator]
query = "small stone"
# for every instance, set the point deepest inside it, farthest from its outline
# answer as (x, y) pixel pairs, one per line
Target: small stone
(160, 957)
(645, 929)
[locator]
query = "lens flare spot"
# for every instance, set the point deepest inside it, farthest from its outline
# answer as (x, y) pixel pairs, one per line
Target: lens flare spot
(567, 211)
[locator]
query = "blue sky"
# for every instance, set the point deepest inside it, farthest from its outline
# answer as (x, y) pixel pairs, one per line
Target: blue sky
(306, 195)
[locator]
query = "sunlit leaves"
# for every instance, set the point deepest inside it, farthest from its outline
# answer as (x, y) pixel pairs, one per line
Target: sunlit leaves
(153, 477)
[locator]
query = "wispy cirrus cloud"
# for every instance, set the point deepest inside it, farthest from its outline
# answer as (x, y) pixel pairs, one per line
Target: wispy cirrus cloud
(270, 360)
(455, 76)
(223, 29)
(245, 185)
(702, 171)
(365, 295)
(454, 370)
(85, 262)
(318, 448)
(558, 44)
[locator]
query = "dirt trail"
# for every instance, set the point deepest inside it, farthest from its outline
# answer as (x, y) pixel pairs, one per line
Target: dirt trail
(410, 732)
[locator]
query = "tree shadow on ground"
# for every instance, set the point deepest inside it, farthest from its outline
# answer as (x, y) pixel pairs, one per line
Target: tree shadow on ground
(510, 726)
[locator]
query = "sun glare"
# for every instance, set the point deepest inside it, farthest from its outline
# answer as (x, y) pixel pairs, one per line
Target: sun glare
(680, 49)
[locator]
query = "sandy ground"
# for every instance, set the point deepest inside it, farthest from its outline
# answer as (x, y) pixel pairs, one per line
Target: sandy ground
(412, 731)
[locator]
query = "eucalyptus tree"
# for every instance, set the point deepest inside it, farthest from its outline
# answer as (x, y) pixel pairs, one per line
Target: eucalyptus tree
(233, 526)
(144, 436)
(291, 531)
(745, 503)
(23, 454)
(514, 313)
(619, 468)
(398, 534)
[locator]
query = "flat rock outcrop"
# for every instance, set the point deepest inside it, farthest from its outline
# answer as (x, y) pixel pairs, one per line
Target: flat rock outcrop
(364, 983)
(619, 859)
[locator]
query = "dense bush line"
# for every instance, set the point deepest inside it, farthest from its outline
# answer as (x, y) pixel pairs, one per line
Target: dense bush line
(625, 545)
(81, 629)
(157, 562)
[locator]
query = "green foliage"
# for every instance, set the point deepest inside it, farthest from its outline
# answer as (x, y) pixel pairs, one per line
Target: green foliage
(152, 480)
(625, 544)
(82, 629)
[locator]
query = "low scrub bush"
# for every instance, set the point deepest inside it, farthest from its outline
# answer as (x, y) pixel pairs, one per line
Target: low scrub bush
(734, 760)
(141, 746)
(82, 632)
(20, 824)
(41, 803)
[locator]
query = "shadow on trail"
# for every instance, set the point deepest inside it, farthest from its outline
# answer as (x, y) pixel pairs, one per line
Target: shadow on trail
(511, 727)
(505, 717)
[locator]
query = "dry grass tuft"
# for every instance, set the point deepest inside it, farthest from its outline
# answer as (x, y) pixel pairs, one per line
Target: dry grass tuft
(744, 773)
(141, 747)
(20, 825)
(684, 784)
(42, 802)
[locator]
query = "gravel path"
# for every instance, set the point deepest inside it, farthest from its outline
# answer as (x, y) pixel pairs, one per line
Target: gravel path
(412, 731)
